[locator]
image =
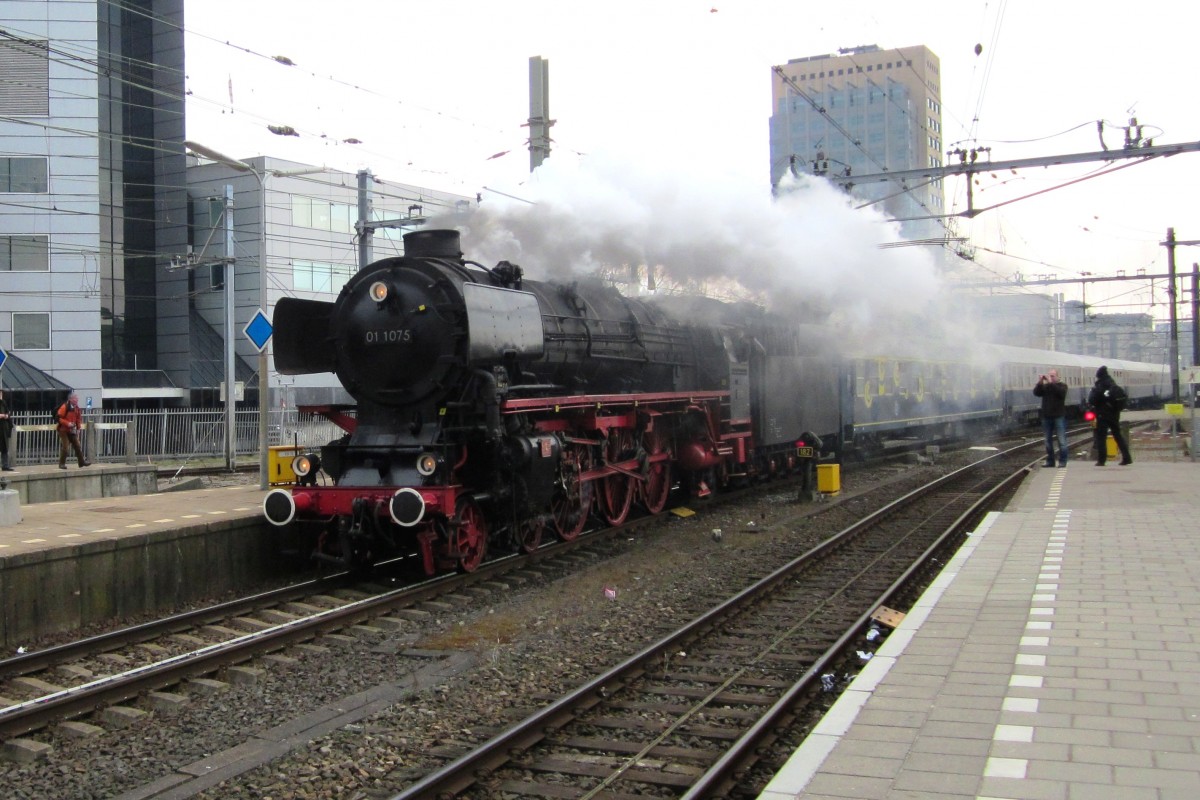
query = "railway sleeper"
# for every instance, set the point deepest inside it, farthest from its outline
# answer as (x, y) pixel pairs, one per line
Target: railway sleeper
(672, 708)
(602, 767)
(730, 698)
(716, 680)
(707, 731)
(662, 751)
(555, 791)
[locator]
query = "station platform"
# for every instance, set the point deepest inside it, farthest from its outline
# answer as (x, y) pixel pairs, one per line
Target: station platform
(67, 564)
(1057, 656)
(47, 483)
(51, 525)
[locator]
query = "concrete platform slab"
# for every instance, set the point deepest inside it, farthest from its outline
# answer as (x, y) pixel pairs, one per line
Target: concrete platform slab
(1070, 623)
(68, 564)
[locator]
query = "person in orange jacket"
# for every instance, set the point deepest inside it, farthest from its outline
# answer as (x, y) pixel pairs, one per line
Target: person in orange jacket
(70, 419)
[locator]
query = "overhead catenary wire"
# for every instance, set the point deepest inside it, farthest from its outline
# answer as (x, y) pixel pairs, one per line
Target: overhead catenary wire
(134, 10)
(990, 49)
(91, 63)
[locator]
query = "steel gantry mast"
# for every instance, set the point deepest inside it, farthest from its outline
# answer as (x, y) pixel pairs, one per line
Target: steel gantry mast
(969, 165)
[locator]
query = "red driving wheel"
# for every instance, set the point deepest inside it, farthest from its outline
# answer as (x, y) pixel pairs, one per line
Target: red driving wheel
(657, 488)
(617, 490)
(529, 533)
(573, 502)
(469, 535)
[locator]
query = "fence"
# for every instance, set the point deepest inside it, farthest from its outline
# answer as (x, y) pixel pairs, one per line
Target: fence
(168, 434)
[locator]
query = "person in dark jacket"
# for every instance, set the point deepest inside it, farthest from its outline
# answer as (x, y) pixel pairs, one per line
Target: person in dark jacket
(1054, 415)
(1108, 418)
(6, 429)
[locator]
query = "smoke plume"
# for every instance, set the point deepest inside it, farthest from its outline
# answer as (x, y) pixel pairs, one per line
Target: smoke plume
(806, 250)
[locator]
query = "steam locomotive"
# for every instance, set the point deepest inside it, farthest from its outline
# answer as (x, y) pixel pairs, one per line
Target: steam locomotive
(493, 410)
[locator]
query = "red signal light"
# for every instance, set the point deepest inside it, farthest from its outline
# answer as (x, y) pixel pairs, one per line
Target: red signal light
(1089, 416)
(799, 443)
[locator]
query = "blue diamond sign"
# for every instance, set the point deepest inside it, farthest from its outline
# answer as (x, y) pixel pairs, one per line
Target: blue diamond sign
(258, 330)
(3, 358)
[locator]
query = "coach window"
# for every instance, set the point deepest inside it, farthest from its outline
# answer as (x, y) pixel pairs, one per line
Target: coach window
(31, 331)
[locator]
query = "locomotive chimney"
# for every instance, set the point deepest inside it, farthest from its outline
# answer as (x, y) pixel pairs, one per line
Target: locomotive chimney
(432, 244)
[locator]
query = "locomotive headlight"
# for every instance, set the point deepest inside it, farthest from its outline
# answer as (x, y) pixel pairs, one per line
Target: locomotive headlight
(427, 464)
(379, 291)
(305, 465)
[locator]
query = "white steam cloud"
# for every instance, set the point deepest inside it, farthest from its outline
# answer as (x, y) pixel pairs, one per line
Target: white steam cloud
(808, 250)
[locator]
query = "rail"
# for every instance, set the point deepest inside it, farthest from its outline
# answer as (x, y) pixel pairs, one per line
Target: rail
(33, 661)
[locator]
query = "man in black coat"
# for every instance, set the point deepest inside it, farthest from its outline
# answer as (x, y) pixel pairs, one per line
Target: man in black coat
(1106, 399)
(6, 429)
(1054, 415)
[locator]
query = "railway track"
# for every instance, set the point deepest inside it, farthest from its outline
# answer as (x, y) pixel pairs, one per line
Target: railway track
(183, 663)
(116, 666)
(71, 680)
(688, 715)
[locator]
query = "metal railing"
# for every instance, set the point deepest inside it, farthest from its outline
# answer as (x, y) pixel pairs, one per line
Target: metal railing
(168, 434)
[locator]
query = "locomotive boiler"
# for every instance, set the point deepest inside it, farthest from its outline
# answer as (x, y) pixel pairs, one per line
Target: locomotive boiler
(492, 409)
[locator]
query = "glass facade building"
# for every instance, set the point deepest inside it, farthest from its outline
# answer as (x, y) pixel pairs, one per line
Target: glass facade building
(863, 111)
(92, 173)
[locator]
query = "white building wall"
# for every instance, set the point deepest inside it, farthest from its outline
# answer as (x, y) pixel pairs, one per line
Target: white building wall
(69, 212)
(288, 242)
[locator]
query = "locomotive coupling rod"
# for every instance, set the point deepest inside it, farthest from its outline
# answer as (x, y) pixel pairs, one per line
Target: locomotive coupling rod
(627, 472)
(608, 470)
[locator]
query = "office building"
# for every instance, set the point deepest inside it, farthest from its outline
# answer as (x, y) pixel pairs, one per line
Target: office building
(112, 238)
(863, 110)
(92, 191)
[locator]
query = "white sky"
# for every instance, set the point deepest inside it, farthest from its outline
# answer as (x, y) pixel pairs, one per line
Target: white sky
(681, 89)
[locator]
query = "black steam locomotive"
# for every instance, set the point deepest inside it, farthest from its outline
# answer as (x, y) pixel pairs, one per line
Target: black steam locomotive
(492, 408)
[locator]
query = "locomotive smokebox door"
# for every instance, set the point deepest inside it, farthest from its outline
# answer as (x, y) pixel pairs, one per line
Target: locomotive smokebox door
(502, 323)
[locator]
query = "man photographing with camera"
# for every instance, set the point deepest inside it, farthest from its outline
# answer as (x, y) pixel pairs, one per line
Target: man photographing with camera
(1054, 420)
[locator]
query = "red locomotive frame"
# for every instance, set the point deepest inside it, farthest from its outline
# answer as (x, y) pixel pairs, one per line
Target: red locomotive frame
(614, 450)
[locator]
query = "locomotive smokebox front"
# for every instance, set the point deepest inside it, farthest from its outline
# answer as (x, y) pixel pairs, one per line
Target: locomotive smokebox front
(399, 330)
